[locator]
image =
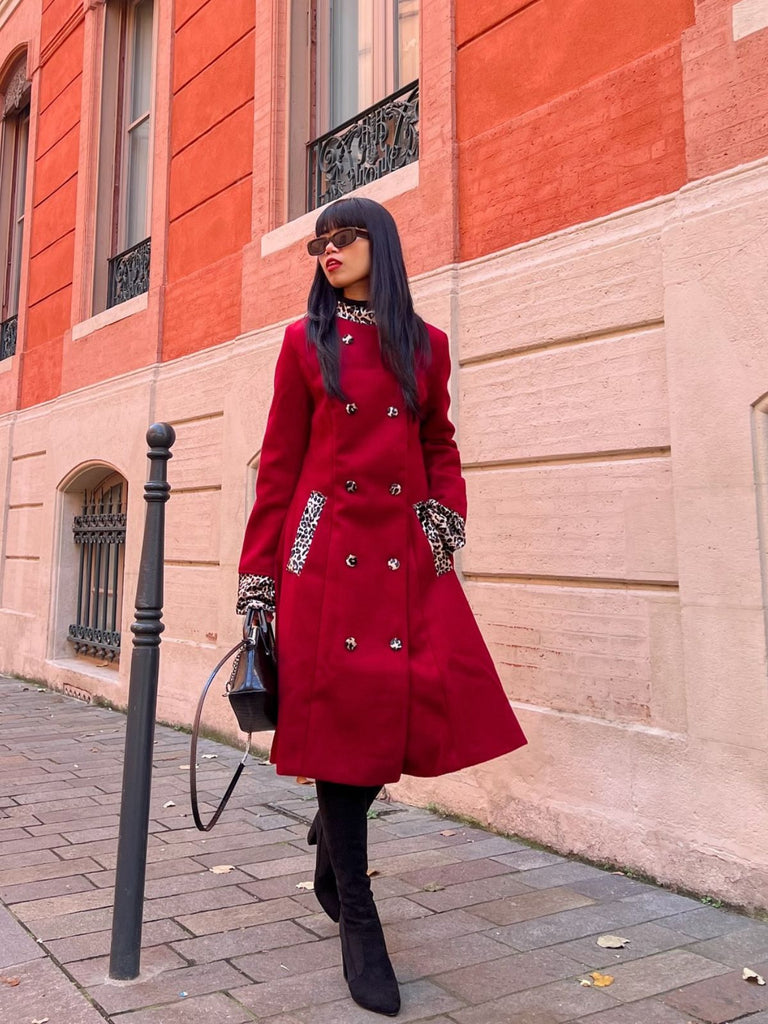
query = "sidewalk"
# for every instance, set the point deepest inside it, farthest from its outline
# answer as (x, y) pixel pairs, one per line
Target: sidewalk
(482, 929)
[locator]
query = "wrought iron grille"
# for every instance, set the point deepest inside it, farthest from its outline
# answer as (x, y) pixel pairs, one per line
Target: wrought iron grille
(100, 533)
(381, 139)
(8, 337)
(129, 273)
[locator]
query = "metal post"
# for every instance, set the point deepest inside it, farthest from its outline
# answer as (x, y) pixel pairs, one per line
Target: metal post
(142, 703)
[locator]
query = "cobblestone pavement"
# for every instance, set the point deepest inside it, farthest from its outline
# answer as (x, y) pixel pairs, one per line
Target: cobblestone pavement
(482, 929)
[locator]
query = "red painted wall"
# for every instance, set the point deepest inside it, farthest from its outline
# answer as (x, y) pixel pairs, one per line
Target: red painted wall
(566, 110)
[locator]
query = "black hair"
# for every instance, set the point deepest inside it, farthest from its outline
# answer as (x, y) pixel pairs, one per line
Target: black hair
(403, 336)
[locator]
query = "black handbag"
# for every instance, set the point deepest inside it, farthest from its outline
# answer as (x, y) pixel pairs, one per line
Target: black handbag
(252, 692)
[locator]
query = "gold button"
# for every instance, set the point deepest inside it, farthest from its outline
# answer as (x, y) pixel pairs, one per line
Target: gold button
(350, 643)
(351, 409)
(396, 644)
(350, 486)
(395, 489)
(393, 564)
(393, 411)
(351, 561)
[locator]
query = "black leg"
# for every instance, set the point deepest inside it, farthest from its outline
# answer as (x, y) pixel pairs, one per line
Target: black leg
(367, 968)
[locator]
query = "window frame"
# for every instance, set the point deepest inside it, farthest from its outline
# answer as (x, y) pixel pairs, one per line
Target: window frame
(14, 169)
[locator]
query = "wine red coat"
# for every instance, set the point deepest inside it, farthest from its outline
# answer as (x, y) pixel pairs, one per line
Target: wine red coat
(418, 693)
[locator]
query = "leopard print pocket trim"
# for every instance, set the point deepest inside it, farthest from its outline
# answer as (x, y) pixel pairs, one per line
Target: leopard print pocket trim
(255, 592)
(310, 517)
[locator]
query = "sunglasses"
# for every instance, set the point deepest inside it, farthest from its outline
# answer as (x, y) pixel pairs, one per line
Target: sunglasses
(340, 239)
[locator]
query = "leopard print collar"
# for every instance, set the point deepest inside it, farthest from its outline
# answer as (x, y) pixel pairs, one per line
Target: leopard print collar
(356, 312)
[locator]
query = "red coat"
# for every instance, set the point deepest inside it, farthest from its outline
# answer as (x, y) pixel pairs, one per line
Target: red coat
(382, 667)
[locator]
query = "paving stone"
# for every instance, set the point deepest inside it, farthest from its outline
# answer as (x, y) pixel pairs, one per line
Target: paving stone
(646, 1011)
(285, 865)
(223, 945)
(400, 908)
(722, 999)
(289, 994)
(291, 960)
(529, 905)
(737, 948)
(439, 957)
(421, 1001)
(243, 916)
(201, 1010)
(67, 903)
(707, 922)
(16, 945)
(211, 899)
(482, 890)
(556, 1002)
(505, 975)
(437, 927)
(44, 992)
(81, 947)
(400, 864)
(11, 894)
(563, 873)
(193, 881)
(154, 960)
(644, 940)
(553, 928)
(195, 981)
(661, 973)
(452, 874)
(611, 886)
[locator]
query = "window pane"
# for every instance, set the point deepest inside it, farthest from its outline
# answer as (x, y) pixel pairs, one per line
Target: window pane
(141, 60)
(407, 41)
(136, 185)
(17, 214)
(352, 83)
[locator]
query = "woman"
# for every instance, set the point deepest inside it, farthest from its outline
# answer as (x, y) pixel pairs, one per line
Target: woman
(360, 504)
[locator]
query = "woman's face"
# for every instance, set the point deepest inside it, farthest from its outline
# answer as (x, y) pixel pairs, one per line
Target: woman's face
(349, 268)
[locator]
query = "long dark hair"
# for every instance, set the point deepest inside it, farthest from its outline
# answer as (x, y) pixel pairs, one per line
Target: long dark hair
(403, 334)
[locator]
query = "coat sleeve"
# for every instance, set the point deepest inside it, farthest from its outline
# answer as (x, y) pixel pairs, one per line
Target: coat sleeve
(282, 454)
(446, 508)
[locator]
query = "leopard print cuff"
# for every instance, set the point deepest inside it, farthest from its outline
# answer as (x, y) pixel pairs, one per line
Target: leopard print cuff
(450, 525)
(444, 529)
(255, 592)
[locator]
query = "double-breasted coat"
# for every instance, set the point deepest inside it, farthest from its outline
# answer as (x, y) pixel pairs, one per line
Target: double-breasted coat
(359, 505)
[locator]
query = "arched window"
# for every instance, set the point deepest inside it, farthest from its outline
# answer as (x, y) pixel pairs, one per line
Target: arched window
(13, 175)
(93, 562)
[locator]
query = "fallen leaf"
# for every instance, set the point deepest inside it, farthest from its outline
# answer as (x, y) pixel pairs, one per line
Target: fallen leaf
(186, 767)
(433, 887)
(585, 984)
(612, 942)
(169, 803)
(303, 780)
(601, 980)
(222, 869)
(448, 832)
(309, 886)
(41, 1020)
(209, 757)
(13, 982)
(751, 976)
(372, 872)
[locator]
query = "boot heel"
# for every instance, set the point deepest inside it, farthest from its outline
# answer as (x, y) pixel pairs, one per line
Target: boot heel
(367, 968)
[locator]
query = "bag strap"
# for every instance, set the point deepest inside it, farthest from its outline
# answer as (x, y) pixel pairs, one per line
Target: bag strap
(193, 752)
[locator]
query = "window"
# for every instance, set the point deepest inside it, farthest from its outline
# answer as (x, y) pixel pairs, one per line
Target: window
(13, 178)
(99, 534)
(122, 228)
(363, 104)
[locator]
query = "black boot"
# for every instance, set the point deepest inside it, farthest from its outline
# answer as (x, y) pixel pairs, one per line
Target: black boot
(367, 968)
(325, 881)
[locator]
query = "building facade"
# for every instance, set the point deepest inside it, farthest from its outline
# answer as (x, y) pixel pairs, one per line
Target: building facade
(582, 187)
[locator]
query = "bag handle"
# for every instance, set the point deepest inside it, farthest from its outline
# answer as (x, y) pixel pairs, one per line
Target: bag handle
(193, 744)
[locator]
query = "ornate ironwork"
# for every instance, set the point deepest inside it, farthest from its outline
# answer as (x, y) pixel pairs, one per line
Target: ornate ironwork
(381, 139)
(8, 337)
(100, 533)
(129, 273)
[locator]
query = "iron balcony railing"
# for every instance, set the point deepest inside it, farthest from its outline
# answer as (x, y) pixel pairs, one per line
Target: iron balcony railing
(381, 139)
(129, 273)
(8, 337)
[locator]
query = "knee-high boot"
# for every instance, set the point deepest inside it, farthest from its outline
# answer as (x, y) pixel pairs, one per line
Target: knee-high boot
(367, 968)
(325, 881)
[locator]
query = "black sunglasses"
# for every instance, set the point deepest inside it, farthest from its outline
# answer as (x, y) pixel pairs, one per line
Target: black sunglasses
(340, 238)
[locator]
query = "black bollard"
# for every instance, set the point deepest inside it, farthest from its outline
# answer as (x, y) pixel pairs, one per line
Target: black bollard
(125, 952)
